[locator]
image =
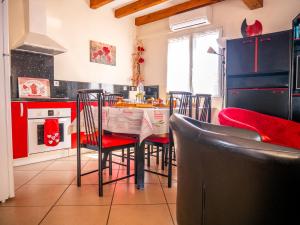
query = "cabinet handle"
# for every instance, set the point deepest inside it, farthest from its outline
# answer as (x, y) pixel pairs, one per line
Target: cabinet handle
(247, 41)
(265, 39)
(21, 110)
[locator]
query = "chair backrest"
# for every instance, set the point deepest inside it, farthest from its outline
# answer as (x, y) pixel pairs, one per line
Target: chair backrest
(203, 107)
(228, 180)
(273, 129)
(111, 99)
(182, 102)
(86, 99)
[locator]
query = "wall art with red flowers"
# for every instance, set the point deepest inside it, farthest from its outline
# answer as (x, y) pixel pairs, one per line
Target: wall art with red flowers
(102, 53)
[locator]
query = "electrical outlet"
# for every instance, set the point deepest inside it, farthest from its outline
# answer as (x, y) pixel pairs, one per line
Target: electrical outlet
(56, 83)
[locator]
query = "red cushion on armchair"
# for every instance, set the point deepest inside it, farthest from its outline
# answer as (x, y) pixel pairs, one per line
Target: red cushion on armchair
(271, 129)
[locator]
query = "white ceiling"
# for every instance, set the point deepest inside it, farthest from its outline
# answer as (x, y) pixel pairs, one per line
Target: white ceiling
(119, 3)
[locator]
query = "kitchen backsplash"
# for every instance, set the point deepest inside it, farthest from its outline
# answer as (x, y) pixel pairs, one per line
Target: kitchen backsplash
(25, 64)
(67, 89)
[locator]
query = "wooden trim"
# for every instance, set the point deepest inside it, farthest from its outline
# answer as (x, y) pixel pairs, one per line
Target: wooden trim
(173, 10)
(95, 4)
(254, 4)
(136, 6)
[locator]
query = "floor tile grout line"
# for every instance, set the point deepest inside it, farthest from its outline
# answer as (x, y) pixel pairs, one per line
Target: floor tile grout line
(54, 204)
(112, 199)
(32, 177)
(161, 184)
(40, 171)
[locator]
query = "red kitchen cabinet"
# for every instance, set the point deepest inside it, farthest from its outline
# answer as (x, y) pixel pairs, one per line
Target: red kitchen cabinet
(20, 126)
(19, 129)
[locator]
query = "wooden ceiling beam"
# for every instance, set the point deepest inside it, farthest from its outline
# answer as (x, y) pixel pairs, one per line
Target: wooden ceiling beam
(136, 6)
(173, 10)
(95, 4)
(254, 4)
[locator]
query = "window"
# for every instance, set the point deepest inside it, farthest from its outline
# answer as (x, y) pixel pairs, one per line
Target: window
(190, 67)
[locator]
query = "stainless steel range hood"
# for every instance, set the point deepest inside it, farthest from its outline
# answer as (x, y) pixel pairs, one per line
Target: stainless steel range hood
(36, 39)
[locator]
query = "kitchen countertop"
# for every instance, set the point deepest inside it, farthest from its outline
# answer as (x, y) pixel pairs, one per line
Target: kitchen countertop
(42, 100)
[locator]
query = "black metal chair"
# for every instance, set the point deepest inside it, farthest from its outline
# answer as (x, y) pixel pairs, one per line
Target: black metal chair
(180, 102)
(111, 99)
(203, 107)
(94, 139)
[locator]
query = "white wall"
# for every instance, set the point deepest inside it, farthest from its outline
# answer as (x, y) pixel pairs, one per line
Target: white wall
(276, 15)
(73, 24)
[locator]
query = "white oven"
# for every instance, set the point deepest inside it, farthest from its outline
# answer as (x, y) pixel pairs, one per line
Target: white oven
(36, 120)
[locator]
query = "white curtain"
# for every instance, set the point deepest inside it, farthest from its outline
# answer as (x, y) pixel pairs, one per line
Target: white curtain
(178, 71)
(190, 67)
(205, 71)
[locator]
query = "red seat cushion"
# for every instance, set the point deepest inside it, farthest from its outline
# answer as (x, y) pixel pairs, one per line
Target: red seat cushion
(158, 139)
(272, 129)
(109, 141)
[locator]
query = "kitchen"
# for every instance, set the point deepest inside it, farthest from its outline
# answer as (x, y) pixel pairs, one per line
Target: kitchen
(53, 50)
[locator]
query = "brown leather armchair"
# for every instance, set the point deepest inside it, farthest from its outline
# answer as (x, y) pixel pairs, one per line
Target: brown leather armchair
(228, 177)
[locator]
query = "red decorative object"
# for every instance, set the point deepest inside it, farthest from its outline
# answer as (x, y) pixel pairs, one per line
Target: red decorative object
(51, 132)
(33, 87)
(251, 30)
(137, 61)
(141, 60)
(102, 53)
(272, 129)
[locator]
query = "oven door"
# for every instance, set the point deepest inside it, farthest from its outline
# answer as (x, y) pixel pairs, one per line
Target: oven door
(36, 135)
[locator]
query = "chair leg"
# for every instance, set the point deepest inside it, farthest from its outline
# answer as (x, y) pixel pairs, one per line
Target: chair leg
(110, 163)
(100, 175)
(148, 155)
(162, 158)
(174, 153)
(78, 166)
(166, 156)
(135, 163)
(170, 167)
(157, 155)
(128, 161)
(123, 155)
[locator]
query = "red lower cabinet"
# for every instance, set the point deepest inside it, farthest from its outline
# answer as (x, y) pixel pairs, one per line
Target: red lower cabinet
(19, 129)
(20, 126)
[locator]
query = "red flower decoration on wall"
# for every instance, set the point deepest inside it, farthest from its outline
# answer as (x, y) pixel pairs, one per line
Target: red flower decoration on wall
(106, 50)
(100, 52)
(95, 54)
(141, 60)
(138, 60)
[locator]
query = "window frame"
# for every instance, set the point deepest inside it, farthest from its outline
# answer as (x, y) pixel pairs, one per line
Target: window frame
(190, 35)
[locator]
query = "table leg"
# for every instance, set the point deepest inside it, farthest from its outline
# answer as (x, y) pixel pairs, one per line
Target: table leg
(140, 163)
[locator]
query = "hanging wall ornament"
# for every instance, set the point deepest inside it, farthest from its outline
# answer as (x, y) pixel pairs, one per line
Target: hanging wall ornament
(251, 30)
(138, 61)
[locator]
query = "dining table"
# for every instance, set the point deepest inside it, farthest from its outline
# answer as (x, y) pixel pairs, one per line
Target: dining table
(142, 122)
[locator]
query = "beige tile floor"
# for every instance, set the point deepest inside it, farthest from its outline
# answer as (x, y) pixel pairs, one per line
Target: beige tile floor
(46, 194)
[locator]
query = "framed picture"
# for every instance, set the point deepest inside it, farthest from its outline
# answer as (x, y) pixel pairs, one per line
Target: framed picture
(102, 53)
(33, 87)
